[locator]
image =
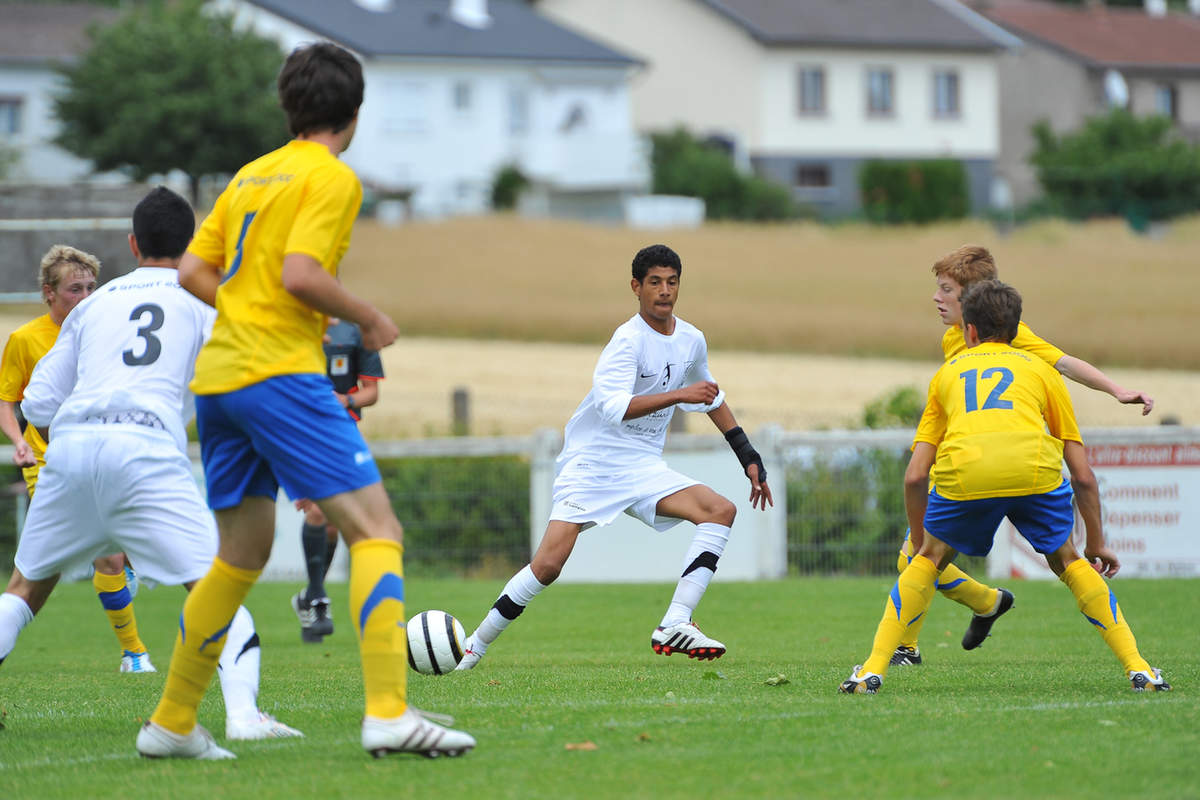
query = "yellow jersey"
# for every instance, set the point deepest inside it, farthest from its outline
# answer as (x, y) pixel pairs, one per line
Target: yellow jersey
(999, 417)
(953, 343)
(297, 199)
(26, 346)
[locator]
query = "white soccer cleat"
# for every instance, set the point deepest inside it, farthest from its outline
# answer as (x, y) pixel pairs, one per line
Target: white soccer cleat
(155, 741)
(260, 726)
(412, 733)
(867, 683)
(1151, 681)
(685, 637)
(136, 662)
(471, 655)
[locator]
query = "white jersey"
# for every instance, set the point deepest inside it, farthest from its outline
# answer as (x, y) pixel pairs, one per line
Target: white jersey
(125, 354)
(637, 361)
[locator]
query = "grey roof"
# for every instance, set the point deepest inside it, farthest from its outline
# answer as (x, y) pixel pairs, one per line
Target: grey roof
(907, 24)
(425, 29)
(36, 33)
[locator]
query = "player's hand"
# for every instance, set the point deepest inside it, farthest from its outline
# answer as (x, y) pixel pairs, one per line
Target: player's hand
(700, 392)
(379, 331)
(341, 398)
(23, 454)
(304, 504)
(1103, 560)
(760, 493)
(1133, 398)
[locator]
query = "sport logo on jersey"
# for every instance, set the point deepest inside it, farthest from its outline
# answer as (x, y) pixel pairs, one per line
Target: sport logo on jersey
(339, 364)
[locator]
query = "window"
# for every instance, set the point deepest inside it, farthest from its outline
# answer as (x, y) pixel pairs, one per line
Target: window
(812, 90)
(945, 93)
(813, 176)
(1166, 101)
(518, 111)
(879, 92)
(462, 96)
(10, 116)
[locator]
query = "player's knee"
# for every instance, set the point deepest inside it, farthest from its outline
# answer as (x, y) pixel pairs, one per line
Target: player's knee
(545, 571)
(723, 512)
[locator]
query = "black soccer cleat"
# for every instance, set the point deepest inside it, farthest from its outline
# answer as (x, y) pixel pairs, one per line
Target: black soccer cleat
(906, 655)
(981, 625)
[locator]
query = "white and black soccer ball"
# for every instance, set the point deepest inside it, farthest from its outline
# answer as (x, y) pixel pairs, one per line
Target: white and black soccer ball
(435, 642)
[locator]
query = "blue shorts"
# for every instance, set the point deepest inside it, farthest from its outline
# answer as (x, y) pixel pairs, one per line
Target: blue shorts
(287, 431)
(1045, 520)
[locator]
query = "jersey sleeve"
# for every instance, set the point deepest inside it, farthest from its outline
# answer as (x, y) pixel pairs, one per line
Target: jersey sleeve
(613, 379)
(700, 372)
(1059, 412)
(932, 427)
(323, 221)
(54, 375)
(14, 370)
(1031, 343)
(209, 242)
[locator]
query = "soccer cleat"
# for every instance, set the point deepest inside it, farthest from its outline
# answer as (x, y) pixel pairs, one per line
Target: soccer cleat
(906, 655)
(155, 741)
(471, 655)
(131, 581)
(412, 733)
(260, 726)
(1152, 681)
(315, 622)
(981, 625)
(866, 684)
(685, 637)
(136, 662)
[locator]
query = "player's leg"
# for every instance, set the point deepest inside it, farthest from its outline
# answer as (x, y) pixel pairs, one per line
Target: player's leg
(713, 517)
(108, 580)
(238, 668)
(312, 604)
(544, 569)
(21, 600)
(375, 539)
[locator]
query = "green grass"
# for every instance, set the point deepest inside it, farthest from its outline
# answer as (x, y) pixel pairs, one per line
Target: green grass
(1041, 710)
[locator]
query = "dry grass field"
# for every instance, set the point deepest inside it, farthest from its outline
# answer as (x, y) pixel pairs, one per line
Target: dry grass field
(806, 324)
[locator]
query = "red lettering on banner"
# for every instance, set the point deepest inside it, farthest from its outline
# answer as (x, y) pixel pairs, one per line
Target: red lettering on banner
(1144, 455)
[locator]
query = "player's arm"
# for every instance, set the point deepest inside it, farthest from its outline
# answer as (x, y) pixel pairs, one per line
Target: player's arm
(53, 377)
(748, 457)
(22, 452)
(306, 280)
(1087, 500)
(367, 395)
(698, 393)
(1084, 373)
(201, 278)
(916, 490)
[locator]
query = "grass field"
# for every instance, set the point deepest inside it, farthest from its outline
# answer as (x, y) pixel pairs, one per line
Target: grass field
(1041, 710)
(1098, 290)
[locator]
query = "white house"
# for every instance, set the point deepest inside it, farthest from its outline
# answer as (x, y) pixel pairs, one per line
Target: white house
(34, 38)
(805, 91)
(457, 89)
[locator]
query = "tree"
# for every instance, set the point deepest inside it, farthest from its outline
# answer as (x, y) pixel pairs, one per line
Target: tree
(170, 86)
(1119, 164)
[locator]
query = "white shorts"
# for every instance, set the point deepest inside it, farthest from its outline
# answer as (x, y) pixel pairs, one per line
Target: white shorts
(117, 488)
(591, 493)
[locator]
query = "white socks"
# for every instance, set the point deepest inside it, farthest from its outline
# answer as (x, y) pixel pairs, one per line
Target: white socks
(698, 568)
(14, 615)
(238, 667)
(518, 592)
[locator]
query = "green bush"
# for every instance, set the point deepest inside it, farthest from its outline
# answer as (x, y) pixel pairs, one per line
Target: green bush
(683, 165)
(1119, 165)
(507, 187)
(461, 515)
(914, 191)
(900, 408)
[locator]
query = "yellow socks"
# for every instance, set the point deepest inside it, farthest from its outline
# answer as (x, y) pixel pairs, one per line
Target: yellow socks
(906, 604)
(118, 605)
(1099, 606)
(206, 617)
(377, 610)
(954, 584)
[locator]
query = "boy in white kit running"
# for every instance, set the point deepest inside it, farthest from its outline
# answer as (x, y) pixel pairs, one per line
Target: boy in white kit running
(612, 461)
(113, 392)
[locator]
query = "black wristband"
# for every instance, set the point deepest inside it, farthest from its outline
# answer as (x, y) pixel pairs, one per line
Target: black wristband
(745, 452)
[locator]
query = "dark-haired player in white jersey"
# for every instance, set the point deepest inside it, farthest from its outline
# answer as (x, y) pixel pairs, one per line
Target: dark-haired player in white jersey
(612, 462)
(113, 393)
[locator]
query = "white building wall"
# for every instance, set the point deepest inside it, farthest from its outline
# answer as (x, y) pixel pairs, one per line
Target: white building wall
(41, 160)
(846, 129)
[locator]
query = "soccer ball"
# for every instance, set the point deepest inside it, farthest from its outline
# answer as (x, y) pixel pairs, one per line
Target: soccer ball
(435, 642)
